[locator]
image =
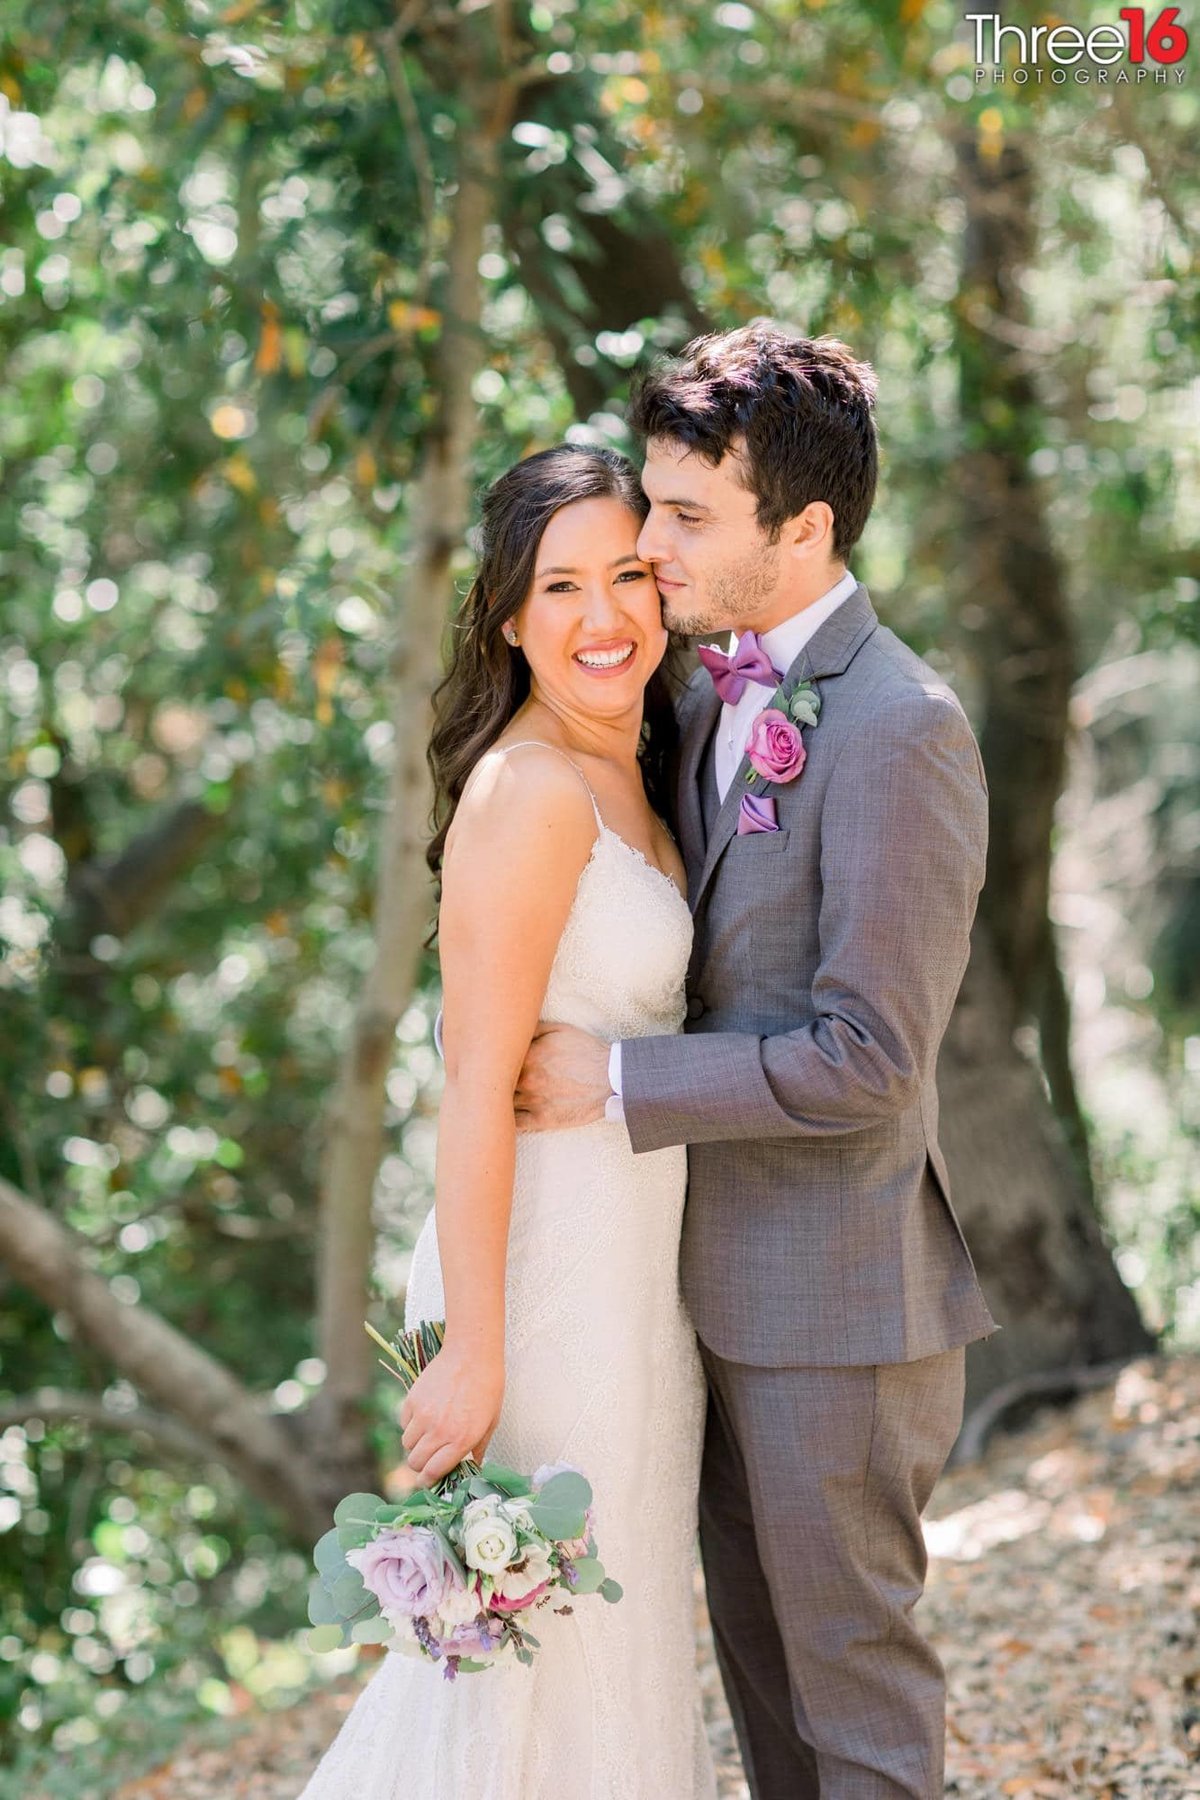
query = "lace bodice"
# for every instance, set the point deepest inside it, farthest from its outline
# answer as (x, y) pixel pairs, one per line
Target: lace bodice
(621, 963)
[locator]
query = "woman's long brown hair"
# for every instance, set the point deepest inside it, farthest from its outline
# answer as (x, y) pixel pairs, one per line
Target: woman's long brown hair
(488, 680)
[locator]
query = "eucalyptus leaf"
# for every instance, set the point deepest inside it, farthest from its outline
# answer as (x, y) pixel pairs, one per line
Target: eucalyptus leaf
(589, 1576)
(326, 1637)
(566, 1489)
(556, 1522)
(348, 1592)
(354, 1534)
(415, 1512)
(371, 1631)
(610, 1590)
(322, 1609)
(329, 1555)
(357, 1507)
(507, 1480)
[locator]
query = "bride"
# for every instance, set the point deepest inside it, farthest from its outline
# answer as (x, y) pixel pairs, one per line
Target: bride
(552, 1256)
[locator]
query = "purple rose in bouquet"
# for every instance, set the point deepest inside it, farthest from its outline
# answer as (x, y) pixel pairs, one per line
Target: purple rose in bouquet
(408, 1571)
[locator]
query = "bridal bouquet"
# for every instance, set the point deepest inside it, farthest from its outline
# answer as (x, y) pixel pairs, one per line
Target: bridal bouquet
(451, 1572)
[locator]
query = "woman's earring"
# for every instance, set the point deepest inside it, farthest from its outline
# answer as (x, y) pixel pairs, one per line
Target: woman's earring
(511, 635)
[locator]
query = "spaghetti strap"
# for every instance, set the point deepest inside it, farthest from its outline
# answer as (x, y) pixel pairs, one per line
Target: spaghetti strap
(524, 743)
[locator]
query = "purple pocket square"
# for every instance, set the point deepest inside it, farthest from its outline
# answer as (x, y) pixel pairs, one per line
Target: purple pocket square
(756, 813)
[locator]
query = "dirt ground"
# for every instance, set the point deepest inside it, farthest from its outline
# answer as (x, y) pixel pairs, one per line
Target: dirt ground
(1063, 1597)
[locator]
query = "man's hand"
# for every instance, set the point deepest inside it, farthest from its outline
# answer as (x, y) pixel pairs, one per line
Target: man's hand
(563, 1081)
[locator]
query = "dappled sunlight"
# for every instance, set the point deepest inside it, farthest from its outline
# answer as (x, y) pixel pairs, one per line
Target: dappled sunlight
(999, 1519)
(1063, 1594)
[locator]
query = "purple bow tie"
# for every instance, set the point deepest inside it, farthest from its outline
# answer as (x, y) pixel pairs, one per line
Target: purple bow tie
(749, 662)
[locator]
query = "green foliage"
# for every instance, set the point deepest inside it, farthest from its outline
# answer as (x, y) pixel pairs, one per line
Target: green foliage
(561, 1504)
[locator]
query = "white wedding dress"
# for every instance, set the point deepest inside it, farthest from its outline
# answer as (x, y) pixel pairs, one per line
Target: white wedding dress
(602, 1371)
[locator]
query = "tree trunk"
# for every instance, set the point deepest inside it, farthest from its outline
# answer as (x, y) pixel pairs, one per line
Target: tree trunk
(1019, 1166)
(438, 521)
(621, 265)
(1026, 633)
(1042, 1258)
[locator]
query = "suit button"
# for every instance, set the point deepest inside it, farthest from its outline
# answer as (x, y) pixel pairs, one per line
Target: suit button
(696, 1007)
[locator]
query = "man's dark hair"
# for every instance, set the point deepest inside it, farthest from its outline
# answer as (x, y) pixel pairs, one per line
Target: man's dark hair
(803, 407)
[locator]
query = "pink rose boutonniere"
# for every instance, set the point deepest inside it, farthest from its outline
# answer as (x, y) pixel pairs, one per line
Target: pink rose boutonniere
(775, 747)
(776, 752)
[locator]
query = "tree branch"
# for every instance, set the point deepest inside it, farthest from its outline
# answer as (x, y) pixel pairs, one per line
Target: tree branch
(65, 1406)
(1164, 181)
(418, 149)
(1042, 1384)
(439, 512)
(115, 894)
(159, 1360)
(785, 96)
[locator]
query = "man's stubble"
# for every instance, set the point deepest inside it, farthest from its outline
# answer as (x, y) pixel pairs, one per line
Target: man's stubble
(736, 594)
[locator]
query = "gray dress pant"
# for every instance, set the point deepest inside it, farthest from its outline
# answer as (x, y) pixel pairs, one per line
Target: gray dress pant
(811, 1496)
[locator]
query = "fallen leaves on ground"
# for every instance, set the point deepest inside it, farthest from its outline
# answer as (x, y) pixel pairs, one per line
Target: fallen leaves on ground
(1063, 1597)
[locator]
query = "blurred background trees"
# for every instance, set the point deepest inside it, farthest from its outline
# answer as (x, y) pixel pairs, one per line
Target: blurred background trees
(280, 288)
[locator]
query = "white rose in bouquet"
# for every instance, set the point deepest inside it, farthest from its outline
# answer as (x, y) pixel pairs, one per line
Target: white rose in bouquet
(489, 1538)
(518, 1512)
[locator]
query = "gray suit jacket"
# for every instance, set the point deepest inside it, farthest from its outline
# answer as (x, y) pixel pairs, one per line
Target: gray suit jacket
(827, 956)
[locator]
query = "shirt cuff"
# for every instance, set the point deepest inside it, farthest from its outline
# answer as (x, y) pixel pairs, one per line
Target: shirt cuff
(614, 1109)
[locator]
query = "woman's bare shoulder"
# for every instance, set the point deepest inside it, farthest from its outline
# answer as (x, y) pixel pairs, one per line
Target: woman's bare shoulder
(521, 790)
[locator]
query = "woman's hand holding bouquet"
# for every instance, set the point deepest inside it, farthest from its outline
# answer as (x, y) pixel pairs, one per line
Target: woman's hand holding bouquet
(450, 1572)
(451, 1410)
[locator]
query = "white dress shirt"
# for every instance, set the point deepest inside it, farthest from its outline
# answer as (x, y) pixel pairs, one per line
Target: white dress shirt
(783, 644)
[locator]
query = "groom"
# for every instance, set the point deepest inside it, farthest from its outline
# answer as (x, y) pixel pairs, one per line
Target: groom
(833, 870)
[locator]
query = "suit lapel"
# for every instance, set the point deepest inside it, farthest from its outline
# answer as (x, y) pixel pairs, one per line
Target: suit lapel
(704, 705)
(828, 652)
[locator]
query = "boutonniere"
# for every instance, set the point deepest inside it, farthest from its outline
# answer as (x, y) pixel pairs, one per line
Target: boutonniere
(776, 751)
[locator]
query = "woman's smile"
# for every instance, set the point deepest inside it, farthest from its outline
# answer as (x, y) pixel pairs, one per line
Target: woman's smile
(606, 659)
